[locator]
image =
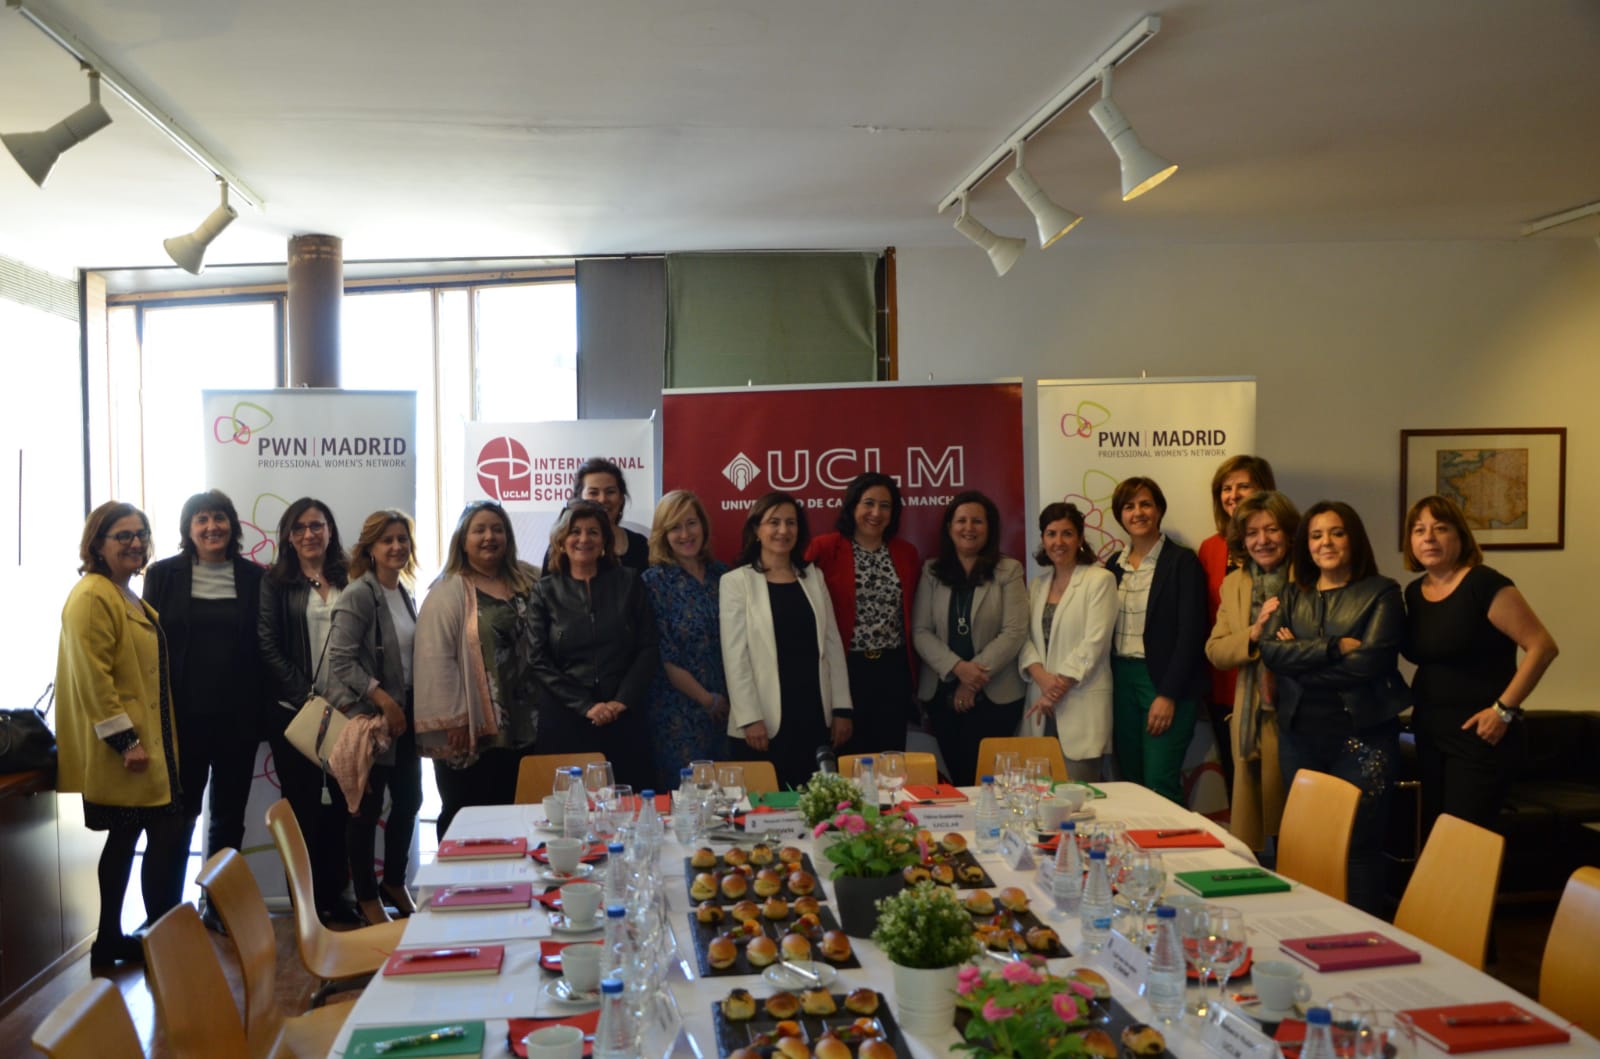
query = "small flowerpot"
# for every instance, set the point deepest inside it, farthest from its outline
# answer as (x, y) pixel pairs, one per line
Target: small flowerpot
(858, 898)
(925, 1000)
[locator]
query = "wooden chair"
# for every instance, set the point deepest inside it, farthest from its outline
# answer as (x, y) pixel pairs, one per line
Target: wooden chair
(232, 888)
(920, 766)
(1314, 838)
(1569, 978)
(536, 776)
(339, 959)
(1449, 902)
(1025, 746)
(759, 776)
(92, 1023)
(194, 1006)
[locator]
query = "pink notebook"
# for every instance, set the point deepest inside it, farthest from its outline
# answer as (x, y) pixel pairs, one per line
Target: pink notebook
(482, 898)
(1349, 952)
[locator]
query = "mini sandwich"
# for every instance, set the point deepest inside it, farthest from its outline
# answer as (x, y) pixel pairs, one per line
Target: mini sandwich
(802, 882)
(704, 887)
(876, 1048)
(862, 1001)
(1042, 939)
(831, 1047)
(790, 855)
(1093, 979)
(775, 908)
(735, 885)
(703, 858)
(761, 952)
(818, 1002)
(1099, 1043)
(806, 906)
(1013, 898)
(761, 854)
(735, 857)
(745, 911)
(914, 873)
(768, 882)
(722, 951)
(943, 874)
(782, 1006)
(835, 946)
(796, 947)
(792, 1048)
(954, 843)
(979, 902)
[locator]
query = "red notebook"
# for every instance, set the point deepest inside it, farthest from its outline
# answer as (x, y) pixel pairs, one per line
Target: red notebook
(456, 961)
(1348, 952)
(935, 794)
(1174, 838)
(590, 854)
(483, 848)
(482, 898)
(1433, 1024)
(588, 1022)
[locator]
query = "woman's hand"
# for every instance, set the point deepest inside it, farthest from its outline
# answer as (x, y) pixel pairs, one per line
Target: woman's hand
(1159, 719)
(972, 676)
(602, 713)
(755, 736)
(1285, 633)
(136, 758)
(1268, 609)
(1055, 687)
(964, 698)
(843, 728)
(1486, 725)
(1348, 644)
(717, 707)
(393, 715)
(1041, 708)
(456, 739)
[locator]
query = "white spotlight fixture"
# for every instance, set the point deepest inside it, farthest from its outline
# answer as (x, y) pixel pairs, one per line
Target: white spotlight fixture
(1053, 220)
(189, 251)
(38, 152)
(1142, 168)
(1003, 250)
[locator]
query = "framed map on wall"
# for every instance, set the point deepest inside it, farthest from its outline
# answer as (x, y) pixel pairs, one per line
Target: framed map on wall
(1511, 482)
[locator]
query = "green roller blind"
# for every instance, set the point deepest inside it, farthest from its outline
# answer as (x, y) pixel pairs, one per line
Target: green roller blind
(770, 318)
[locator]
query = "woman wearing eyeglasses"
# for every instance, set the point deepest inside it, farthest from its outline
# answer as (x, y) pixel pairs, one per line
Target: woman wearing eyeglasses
(297, 598)
(116, 727)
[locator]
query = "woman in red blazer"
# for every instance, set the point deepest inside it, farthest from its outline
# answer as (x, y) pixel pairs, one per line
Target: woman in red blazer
(872, 577)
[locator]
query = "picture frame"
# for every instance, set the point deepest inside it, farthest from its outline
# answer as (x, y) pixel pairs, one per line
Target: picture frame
(1511, 482)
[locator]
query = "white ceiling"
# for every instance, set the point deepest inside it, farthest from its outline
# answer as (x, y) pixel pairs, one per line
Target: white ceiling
(497, 128)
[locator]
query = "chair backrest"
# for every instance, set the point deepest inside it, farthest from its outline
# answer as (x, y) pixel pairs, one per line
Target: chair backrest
(921, 767)
(194, 1006)
(291, 843)
(1314, 838)
(231, 886)
(536, 776)
(759, 776)
(1449, 902)
(1025, 746)
(1569, 979)
(92, 1023)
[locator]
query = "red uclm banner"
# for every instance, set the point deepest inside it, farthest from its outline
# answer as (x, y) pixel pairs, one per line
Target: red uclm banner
(732, 446)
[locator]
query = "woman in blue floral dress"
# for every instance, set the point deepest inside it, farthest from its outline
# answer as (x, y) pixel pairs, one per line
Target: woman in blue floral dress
(689, 700)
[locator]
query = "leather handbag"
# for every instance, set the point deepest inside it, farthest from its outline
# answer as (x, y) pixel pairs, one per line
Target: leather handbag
(26, 742)
(315, 729)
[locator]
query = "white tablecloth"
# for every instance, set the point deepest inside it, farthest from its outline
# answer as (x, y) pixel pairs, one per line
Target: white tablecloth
(518, 991)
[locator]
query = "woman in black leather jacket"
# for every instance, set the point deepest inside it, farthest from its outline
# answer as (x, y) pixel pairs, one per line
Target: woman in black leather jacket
(595, 648)
(297, 598)
(1332, 644)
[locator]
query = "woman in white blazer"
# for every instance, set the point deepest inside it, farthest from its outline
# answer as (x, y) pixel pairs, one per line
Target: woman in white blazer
(969, 622)
(788, 689)
(1066, 661)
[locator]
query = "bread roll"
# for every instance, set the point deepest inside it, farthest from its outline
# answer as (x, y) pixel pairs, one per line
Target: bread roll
(722, 952)
(703, 858)
(768, 882)
(835, 946)
(735, 857)
(782, 1005)
(761, 853)
(862, 1001)
(1013, 898)
(735, 885)
(704, 886)
(796, 947)
(761, 952)
(739, 1005)
(818, 1002)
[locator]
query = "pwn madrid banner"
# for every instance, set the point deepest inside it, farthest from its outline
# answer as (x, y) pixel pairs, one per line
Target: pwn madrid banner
(355, 451)
(527, 468)
(731, 446)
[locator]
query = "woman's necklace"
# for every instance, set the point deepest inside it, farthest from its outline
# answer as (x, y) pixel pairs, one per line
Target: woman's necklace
(963, 613)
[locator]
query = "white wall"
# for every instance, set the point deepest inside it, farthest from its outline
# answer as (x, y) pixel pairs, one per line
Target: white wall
(1350, 344)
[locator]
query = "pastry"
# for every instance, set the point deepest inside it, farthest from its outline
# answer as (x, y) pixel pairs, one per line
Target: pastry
(954, 842)
(735, 857)
(761, 854)
(722, 952)
(1042, 939)
(746, 929)
(1013, 898)
(709, 912)
(795, 946)
(806, 906)
(782, 1005)
(862, 1001)
(809, 924)
(761, 952)
(790, 855)
(914, 873)
(835, 946)
(876, 1048)
(704, 886)
(1143, 1040)
(746, 910)
(744, 1053)
(739, 1005)
(943, 874)
(970, 872)
(775, 908)
(703, 858)
(818, 1002)
(1003, 940)
(1099, 1042)
(735, 885)
(1093, 979)
(768, 882)
(802, 882)
(979, 902)
(792, 1048)
(831, 1047)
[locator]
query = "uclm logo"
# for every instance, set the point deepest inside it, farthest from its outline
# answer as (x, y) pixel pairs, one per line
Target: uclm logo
(796, 469)
(504, 471)
(741, 471)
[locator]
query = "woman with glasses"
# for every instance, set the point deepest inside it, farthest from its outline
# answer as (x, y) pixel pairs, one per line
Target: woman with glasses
(297, 598)
(209, 597)
(116, 727)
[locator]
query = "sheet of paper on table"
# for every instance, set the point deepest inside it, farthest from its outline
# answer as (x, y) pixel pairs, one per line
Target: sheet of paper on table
(449, 928)
(478, 872)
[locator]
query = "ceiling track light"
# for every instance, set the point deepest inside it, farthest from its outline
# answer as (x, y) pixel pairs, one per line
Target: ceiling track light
(1054, 220)
(38, 152)
(189, 251)
(1003, 250)
(1142, 168)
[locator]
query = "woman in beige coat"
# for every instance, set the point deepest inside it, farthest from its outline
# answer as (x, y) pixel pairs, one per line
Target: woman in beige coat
(1259, 534)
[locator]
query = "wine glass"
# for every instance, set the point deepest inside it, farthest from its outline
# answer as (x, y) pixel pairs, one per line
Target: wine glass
(1144, 879)
(730, 781)
(704, 778)
(1194, 924)
(597, 777)
(1038, 772)
(1005, 767)
(891, 774)
(615, 801)
(1226, 943)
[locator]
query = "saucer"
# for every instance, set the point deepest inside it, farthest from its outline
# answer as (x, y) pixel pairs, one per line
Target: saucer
(551, 875)
(560, 924)
(562, 994)
(546, 826)
(783, 978)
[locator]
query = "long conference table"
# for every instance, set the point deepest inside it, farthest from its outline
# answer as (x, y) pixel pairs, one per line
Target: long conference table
(518, 991)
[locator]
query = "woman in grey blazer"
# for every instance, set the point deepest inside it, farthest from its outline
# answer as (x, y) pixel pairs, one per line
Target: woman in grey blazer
(970, 620)
(374, 625)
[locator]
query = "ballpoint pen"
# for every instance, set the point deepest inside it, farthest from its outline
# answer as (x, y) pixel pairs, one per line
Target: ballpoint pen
(485, 841)
(447, 1033)
(1345, 943)
(1235, 876)
(1176, 834)
(1487, 1020)
(462, 891)
(440, 954)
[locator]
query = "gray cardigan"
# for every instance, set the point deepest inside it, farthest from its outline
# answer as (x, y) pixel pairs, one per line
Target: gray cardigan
(360, 622)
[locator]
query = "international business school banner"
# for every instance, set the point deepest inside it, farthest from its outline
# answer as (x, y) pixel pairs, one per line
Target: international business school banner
(527, 468)
(355, 451)
(732, 446)
(1093, 433)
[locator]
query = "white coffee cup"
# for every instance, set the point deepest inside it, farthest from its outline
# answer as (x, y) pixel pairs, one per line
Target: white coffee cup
(555, 1042)
(581, 903)
(1278, 985)
(564, 854)
(555, 809)
(1059, 807)
(580, 965)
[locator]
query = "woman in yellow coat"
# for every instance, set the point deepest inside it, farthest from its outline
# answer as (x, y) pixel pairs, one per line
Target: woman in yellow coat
(114, 719)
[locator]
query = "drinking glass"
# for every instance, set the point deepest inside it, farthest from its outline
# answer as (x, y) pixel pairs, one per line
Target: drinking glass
(560, 782)
(704, 778)
(685, 814)
(1226, 942)
(1194, 924)
(1352, 1027)
(597, 777)
(616, 801)
(1005, 767)
(891, 775)
(1143, 880)
(1038, 772)
(730, 782)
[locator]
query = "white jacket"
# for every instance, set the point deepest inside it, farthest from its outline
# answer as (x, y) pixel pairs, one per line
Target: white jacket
(750, 649)
(1080, 648)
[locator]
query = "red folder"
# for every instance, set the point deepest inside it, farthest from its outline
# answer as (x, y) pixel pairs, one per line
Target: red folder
(483, 848)
(1433, 1025)
(453, 961)
(1348, 952)
(482, 898)
(1169, 838)
(936, 794)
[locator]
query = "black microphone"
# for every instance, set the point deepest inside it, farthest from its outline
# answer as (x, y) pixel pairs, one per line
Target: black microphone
(827, 761)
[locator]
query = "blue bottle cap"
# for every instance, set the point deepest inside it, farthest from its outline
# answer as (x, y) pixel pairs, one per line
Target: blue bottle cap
(616, 911)
(575, 771)
(614, 847)
(686, 771)
(1097, 854)
(987, 779)
(1166, 912)
(1319, 1017)
(647, 794)
(1068, 825)
(611, 986)
(866, 761)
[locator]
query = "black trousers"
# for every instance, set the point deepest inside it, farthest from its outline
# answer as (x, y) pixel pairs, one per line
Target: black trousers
(960, 733)
(491, 780)
(402, 781)
(1460, 773)
(218, 750)
(880, 693)
(323, 825)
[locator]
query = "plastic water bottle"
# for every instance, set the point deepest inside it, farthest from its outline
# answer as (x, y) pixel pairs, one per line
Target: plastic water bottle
(612, 958)
(867, 780)
(1165, 982)
(651, 828)
(575, 818)
(616, 891)
(1319, 1035)
(1095, 910)
(988, 817)
(614, 1037)
(1066, 884)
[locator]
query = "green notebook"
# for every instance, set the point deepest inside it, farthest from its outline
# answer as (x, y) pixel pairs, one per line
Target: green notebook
(1231, 882)
(776, 799)
(467, 1046)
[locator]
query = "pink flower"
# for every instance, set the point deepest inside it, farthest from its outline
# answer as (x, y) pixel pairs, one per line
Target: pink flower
(839, 821)
(910, 817)
(817, 831)
(1087, 992)
(1066, 1007)
(993, 1012)
(1018, 973)
(841, 807)
(855, 824)
(969, 979)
